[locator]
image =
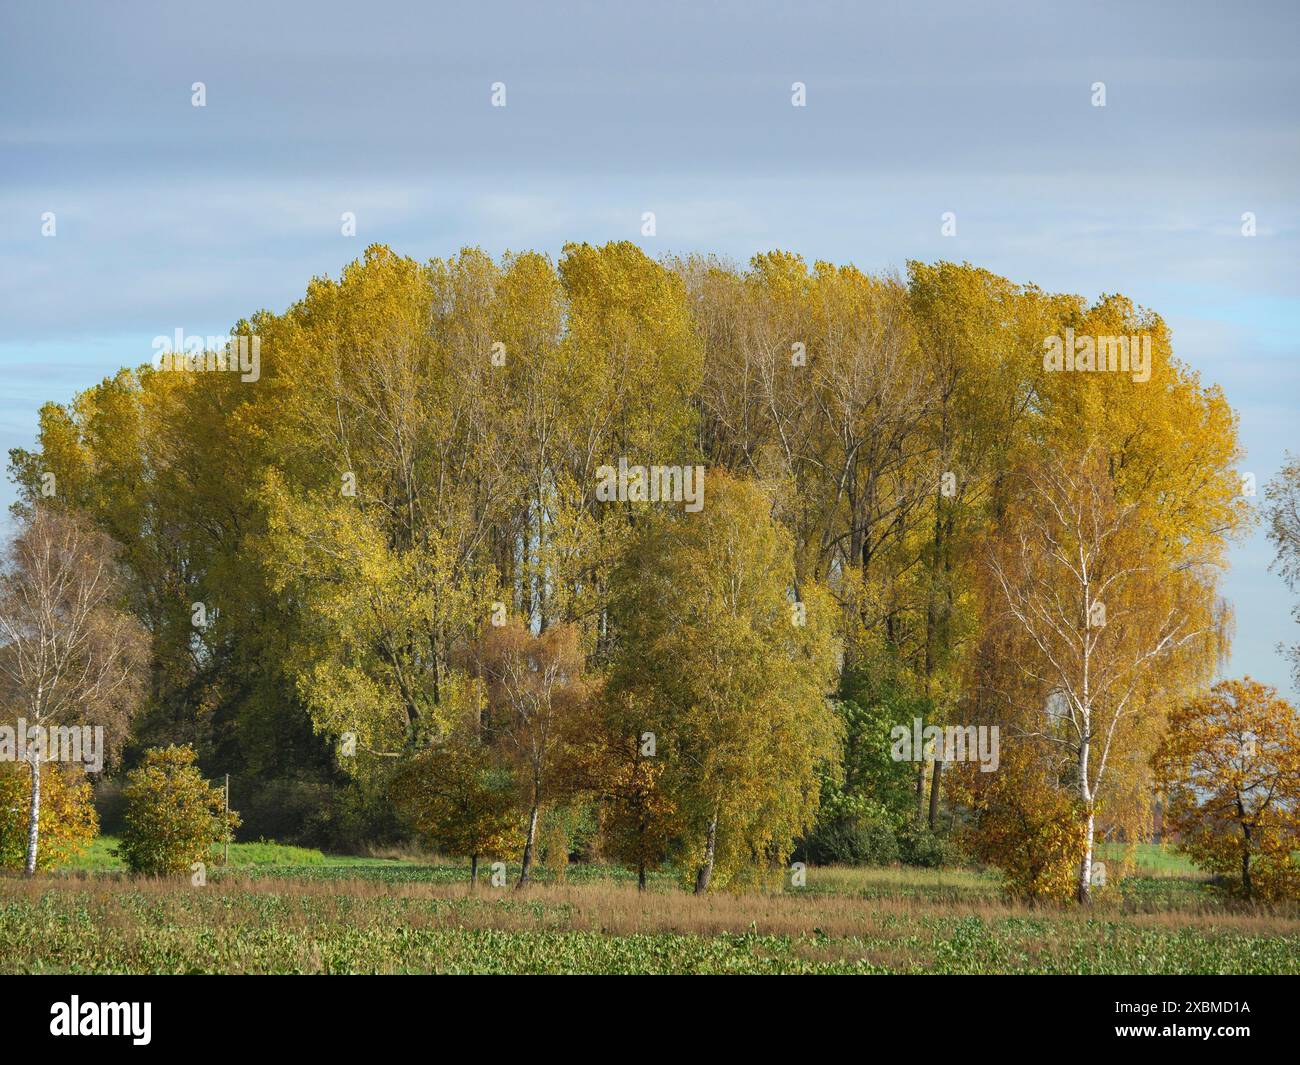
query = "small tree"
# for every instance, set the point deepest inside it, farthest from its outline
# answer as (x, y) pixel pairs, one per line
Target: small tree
(731, 673)
(68, 820)
(460, 800)
(173, 816)
(1230, 767)
(537, 702)
(68, 653)
(637, 818)
(1025, 824)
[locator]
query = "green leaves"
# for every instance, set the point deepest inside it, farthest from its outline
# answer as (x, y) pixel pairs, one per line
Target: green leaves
(729, 676)
(174, 817)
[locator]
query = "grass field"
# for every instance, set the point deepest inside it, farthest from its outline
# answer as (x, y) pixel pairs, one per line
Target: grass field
(289, 909)
(100, 857)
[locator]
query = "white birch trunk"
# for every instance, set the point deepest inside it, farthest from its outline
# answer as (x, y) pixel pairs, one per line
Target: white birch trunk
(34, 814)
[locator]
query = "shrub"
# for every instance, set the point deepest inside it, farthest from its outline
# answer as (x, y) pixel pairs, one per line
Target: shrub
(173, 816)
(67, 821)
(1026, 825)
(852, 840)
(918, 845)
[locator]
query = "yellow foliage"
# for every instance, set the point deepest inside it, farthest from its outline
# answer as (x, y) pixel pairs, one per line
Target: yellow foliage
(68, 822)
(1027, 826)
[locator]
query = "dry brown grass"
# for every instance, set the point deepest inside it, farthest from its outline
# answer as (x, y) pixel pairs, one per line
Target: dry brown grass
(610, 908)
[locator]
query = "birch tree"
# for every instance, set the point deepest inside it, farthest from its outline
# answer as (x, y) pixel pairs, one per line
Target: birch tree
(68, 654)
(731, 673)
(1099, 617)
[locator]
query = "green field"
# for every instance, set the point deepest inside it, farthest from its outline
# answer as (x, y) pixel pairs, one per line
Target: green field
(289, 909)
(100, 856)
(1157, 872)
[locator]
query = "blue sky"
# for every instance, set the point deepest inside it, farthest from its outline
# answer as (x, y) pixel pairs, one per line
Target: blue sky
(171, 216)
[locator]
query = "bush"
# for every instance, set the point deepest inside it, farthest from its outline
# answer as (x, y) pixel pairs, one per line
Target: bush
(1029, 828)
(173, 816)
(918, 845)
(852, 840)
(67, 819)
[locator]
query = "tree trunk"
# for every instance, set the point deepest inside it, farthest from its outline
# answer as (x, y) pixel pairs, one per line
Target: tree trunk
(705, 873)
(1088, 795)
(528, 847)
(920, 787)
(473, 871)
(1246, 886)
(936, 776)
(640, 876)
(1085, 869)
(34, 814)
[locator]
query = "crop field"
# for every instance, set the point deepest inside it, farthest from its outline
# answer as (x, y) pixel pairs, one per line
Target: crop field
(291, 910)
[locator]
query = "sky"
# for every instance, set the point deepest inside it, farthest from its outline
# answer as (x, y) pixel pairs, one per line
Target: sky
(171, 216)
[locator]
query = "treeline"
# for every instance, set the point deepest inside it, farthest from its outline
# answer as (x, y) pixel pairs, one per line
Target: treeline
(382, 571)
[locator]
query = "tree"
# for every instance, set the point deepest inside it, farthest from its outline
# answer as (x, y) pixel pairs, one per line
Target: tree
(173, 816)
(622, 383)
(1230, 769)
(459, 799)
(145, 457)
(68, 819)
(69, 655)
(981, 334)
(366, 658)
(1282, 515)
(1093, 613)
(537, 699)
(380, 492)
(732, 675)
(868, 798)
(637, 818)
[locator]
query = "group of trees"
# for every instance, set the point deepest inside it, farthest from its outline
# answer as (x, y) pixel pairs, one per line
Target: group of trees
(378, 586)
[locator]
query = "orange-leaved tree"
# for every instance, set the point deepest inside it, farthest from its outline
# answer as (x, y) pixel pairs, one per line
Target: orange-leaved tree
(1230, 769)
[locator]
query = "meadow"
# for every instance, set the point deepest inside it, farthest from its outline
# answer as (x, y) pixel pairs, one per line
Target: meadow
(293, 910)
